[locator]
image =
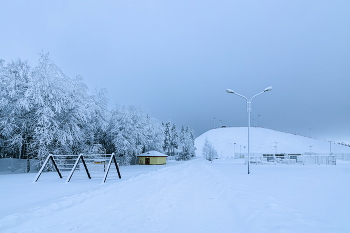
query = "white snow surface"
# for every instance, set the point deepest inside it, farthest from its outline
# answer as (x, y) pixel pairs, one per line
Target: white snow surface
(193, 196)
(263, 140)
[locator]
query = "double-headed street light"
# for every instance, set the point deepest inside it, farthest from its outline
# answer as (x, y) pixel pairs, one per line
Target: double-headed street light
(249, 101)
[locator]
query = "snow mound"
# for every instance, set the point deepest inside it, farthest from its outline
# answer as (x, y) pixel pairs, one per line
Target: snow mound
(228, 141)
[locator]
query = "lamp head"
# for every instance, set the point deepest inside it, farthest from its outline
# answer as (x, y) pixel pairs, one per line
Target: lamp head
(268, 89)
(230, 91)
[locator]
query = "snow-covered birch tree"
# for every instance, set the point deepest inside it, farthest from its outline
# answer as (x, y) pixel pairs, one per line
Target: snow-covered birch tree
(209, 151)
(46, 110)
(131, 131)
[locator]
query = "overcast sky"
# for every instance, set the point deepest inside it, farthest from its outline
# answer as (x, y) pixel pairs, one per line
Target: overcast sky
(177, 58)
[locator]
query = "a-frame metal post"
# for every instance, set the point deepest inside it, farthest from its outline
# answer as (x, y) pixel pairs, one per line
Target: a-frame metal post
(109, 166)
(75, 166)
(50, 157)
(55, 165)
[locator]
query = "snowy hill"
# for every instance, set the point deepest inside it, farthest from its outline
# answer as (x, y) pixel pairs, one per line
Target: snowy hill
(263, 141)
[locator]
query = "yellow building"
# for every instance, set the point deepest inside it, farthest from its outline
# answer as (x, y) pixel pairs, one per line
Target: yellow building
(152, 157)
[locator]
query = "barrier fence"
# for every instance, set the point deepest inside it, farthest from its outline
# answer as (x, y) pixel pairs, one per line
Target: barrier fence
(302, 159)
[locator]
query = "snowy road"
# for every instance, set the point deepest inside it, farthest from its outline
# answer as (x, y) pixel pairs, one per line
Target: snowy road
(198, 196)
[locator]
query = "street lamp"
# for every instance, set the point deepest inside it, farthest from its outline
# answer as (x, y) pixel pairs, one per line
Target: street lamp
(234, 150)
(330, 147)
(249, 101)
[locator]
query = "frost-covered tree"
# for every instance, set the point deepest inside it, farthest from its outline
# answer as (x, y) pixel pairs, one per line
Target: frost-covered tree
(131, 131)
(95, 129)
(45, 110)
(186, 143)
(209, 152)
(173, 139)
(60, 105)
(153, 135)
(15, 112)
(167, 138)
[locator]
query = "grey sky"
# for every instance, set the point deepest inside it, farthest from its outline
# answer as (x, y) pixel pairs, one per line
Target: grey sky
(176, 58)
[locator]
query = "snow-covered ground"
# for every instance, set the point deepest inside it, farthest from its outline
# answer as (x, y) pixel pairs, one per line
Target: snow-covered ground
(194, 196)
(263, 140)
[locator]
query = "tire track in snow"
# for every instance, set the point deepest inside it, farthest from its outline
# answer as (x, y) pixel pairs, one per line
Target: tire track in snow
(260, 212)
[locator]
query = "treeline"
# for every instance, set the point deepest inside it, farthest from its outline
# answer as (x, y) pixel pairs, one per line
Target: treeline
(44, 111)
(179, 145)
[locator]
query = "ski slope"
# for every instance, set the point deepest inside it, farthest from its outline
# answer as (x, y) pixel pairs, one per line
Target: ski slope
(193, 196)
(263, 141)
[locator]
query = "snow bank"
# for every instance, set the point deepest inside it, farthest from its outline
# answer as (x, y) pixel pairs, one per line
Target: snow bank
(194, 196)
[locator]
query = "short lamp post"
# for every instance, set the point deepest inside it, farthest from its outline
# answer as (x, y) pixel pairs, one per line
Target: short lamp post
(249, 101)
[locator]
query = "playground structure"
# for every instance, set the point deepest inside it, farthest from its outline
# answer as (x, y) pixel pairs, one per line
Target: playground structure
(73, 162)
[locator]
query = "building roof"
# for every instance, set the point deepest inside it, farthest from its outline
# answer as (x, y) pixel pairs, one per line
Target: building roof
(152, 154)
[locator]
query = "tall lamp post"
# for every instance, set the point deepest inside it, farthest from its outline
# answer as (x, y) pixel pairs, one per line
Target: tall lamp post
(249, 101)
(234, 150)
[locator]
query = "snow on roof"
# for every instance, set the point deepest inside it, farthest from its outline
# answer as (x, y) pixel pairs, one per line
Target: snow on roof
(152, 154)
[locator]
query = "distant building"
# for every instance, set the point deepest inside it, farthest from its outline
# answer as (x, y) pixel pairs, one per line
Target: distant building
(152, 158)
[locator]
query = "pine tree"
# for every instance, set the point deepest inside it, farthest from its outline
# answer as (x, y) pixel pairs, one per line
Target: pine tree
(167, 138)
(173, 140)
(186, 143)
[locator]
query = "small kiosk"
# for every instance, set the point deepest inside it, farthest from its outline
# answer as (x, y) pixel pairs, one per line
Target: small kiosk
(152, 158)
